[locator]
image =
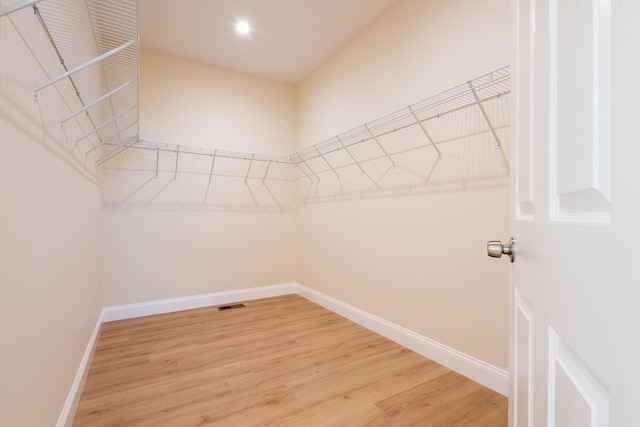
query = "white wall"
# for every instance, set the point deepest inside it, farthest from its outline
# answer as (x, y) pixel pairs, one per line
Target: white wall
(50, 228)
(161, 239)
(418, 261)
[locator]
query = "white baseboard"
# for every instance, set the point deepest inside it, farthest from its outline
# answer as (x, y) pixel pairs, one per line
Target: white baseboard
(488, 375)
(73, 398)
(130, 311)
(481, 372)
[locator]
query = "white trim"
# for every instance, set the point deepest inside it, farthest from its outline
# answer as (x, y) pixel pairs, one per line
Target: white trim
(73, 398)
(484, 373)
(130, 311)
(488, 375)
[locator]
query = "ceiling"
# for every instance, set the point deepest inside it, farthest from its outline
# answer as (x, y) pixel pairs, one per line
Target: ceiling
(289, 38)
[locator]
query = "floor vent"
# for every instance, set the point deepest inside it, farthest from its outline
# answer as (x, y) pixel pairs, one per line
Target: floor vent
(229, 307)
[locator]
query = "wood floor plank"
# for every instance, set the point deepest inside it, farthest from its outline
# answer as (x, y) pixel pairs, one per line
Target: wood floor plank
(281, 361)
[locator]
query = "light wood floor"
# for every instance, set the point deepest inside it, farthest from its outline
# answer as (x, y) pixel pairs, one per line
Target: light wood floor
(281, 361)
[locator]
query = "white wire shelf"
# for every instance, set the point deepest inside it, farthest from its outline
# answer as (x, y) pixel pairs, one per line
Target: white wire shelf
(456, 137)
(93, 46)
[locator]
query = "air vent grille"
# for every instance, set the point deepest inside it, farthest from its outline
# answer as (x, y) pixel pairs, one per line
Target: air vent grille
(230, 307)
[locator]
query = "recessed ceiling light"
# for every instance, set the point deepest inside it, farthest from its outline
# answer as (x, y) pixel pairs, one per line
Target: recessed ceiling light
(243, 27)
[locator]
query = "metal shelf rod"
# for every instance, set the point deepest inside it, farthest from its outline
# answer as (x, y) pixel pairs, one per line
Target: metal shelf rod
(213, 163)
(266, 172)
(248, 170)
(493, 131)
(105, 123)
(83, 66)
(113, 136)
(16, 5)
(327, 162)
(175, 176)
(426, 133)
(393, 164)
(350, 155)
(97, 101)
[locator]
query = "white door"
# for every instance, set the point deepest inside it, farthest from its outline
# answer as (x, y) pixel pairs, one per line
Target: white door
(575, 338)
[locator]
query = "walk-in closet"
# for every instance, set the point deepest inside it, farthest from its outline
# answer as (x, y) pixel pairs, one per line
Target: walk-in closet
(140, 180)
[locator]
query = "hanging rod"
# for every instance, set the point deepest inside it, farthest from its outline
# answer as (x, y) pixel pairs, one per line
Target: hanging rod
(103, 124)
(83, 66)
(97, 101)
(17, 5)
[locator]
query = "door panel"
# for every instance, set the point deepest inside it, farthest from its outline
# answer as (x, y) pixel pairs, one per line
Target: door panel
(582, 398)
(524, 154)
(580, 110)
(524, 362)
(575, 331)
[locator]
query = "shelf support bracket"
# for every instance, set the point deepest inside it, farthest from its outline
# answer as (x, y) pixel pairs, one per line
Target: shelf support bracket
(425, 132)
(375, 184)
(83, 66)
(393, 164)
(301, 170)
(484, 114)
(157, 161)
(327, 162)
(175, 175)
(491, 128)
(351, 155)
(246, 178)
(307, 165)
(213, 163)
(266, 172)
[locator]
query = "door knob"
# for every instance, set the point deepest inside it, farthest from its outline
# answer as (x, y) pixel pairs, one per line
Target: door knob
(495, 249)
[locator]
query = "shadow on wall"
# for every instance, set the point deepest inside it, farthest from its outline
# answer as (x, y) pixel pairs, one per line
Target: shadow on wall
(456, 141)
(37, 124)
(400, 163)
(40, 101)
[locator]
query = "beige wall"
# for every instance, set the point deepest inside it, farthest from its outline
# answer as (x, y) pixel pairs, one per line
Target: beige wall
(161, 239)
(163, 254)
(418, 261)
(50, 284)
(191, 103)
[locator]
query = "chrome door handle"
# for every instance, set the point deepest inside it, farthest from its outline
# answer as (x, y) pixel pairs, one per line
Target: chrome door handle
(495, 249)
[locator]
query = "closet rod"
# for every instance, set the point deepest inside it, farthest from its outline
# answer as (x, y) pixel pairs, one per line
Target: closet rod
(15, 6)
(97, 101)
(105, 123)
(83, 66)
(113, 136)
